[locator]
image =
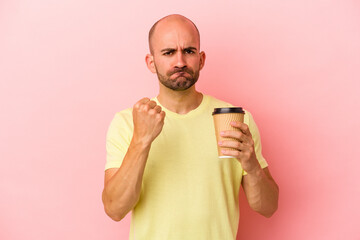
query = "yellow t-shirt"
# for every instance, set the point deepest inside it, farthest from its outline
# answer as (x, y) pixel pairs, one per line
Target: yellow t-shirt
(187, 191)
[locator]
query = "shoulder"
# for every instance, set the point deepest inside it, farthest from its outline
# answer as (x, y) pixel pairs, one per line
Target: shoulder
(124, 114)
(220, 103)
(216, 103)
(122, 119)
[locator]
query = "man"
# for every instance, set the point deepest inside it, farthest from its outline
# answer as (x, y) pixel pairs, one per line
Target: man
(162, 161)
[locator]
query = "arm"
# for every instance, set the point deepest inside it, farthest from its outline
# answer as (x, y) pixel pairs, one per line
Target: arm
(260, 188)
(122, 185)
(261, 191)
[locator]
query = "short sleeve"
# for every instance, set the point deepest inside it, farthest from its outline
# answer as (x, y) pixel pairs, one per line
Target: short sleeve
(248, 119)
(118, 138)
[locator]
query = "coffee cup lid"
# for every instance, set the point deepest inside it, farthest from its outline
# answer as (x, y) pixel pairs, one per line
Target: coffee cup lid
(228, 110)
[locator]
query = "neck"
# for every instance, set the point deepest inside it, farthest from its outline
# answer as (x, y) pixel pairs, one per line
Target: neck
(180, 102)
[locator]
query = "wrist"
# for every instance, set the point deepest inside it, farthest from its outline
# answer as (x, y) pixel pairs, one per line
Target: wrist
(255, 171)
(140, 143)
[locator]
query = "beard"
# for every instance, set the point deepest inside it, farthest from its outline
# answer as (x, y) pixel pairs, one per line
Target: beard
(184, 78)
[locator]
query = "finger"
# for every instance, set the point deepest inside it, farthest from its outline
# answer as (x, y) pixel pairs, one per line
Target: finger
(161, 115)
(242, 126)
(240, 155)
(151, 104)
(144, 100)
(147, 106)
(230, 144)
(231, 152)
(141, 101)
(238, 135)
(157, 108)
(244, 146)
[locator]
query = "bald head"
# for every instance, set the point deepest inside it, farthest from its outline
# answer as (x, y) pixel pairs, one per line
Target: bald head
(166, 21)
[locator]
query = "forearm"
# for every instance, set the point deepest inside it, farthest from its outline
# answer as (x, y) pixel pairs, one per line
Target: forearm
(122, 190)
(261, 191)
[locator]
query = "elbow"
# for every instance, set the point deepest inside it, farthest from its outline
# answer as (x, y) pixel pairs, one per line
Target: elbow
(274, 203)
(110, 211)
(269, 213)
(117, 216)
(116, 210)
(266, 212)
(268, 208)
(116, 219)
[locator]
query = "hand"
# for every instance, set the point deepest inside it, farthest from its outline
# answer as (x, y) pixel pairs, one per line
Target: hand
(243, 146)
(148, 121)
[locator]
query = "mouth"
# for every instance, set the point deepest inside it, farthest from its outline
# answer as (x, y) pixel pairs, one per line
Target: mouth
(179, 73)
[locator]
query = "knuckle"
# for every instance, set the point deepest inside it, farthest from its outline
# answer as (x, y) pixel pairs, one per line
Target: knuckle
(246, 127)
(159, 116)
(142, 101)
(238, 134)
(251, 150)
(142, 108)
(137, 105)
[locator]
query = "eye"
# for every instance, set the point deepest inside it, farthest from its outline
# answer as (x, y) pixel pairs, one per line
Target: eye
(189, 51)
(168, 53)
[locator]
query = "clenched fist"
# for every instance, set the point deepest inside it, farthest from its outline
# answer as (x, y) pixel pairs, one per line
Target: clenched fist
(148, 120)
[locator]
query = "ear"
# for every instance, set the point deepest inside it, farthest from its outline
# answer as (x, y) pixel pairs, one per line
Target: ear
(149, 59)
(202, 59)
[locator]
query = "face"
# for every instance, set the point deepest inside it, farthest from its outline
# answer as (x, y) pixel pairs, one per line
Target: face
(176, 58)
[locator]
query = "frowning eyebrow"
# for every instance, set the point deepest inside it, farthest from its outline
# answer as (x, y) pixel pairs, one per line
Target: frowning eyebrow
(191, 48)
(173, 49)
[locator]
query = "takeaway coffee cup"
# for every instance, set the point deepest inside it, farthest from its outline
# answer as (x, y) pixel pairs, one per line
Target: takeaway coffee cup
(222, 118)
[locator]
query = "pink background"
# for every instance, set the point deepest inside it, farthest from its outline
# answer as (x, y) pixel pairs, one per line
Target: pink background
(67, 66)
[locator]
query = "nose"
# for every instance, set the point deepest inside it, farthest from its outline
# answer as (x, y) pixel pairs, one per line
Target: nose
(180, 60)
